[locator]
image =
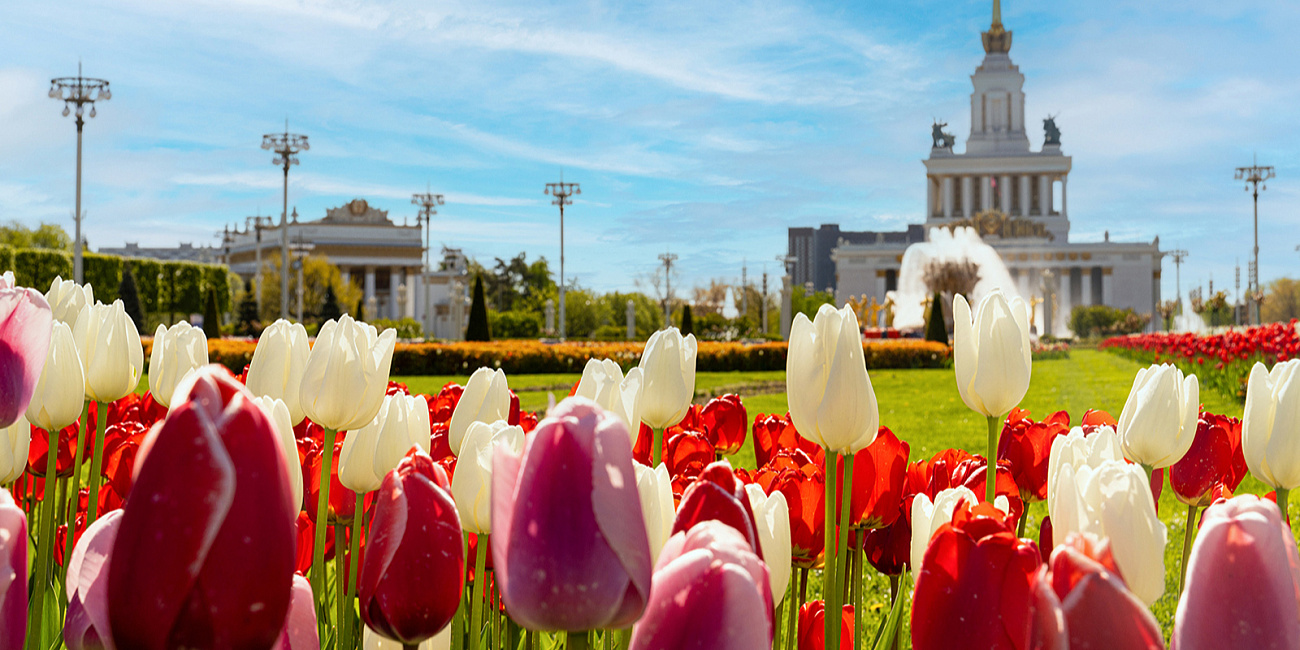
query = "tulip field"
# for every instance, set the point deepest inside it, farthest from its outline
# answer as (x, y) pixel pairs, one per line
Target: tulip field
(317, 500)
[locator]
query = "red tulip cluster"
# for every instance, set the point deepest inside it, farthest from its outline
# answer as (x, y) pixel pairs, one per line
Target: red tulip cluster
(1221, 360)
(705, 434)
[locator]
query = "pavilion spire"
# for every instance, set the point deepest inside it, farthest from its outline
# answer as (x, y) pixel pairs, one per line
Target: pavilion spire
(997, 40)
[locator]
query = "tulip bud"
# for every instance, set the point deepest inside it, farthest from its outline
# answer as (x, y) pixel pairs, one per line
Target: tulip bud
(279, 361)
(471, 485)
(111, 353)
(346, 376)
(25, 326)
(67, 299)
(375, 449)
(177, 351)
(812, 626)
(486, 399)
(831, 399)
(928, 517)
(668, 372)
(86, 625)
(603, 383)
(56, 402)
(569, 542)
(1270, 429)
(278, 414)
(1158, 422)
(413, 571)
(1243, 580)
(991, 353)
(710, 591)
(13, 573)
(209, 528)
(15, 442)
(717, 495)
(772, 515)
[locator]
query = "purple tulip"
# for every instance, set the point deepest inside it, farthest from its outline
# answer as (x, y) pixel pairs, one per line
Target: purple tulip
(300, 627)
(204, 554)
(710, 592)
(86, 625)
(25, 326)
(568, 540)
(13, 574)
(1243, 580)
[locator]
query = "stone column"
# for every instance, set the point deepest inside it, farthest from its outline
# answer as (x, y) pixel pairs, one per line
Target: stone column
(1085, 287)
(1024, 195)
(1107, 286)
(947, 197)
(1063, 294)
(1065, 213)
(1004, 193)
(966, 210)
(1044, 194)
(929, 197)
(786, 307)
(347, 275)
(631, 320)
(368, 292)
(411, 275)
(394, 293)
(549, 313)
(986, 196)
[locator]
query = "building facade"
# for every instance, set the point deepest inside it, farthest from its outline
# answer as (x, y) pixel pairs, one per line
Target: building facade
(185, 252)
(1014, 197)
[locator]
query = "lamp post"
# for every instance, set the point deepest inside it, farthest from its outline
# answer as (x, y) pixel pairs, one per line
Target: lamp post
(562, 191)
(256, 224)
(1254, 176)
(301, 248)
(428, 203)
(1178, 256)
(76, 92)
(286, 147)
(668, 259)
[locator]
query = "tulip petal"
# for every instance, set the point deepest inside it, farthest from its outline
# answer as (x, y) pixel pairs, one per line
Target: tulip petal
(1257, 423)
(13, 572)
(88, 577)
(965, 353)
(25, 326)
(1284, 445)
(300, 626)
(805, 374)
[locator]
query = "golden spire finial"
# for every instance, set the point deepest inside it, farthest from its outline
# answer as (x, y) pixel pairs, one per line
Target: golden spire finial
(997, 13)
(997, 39)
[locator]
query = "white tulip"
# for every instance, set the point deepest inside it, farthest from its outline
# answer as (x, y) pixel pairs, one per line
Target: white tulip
(772, 514)
(1158, 423)
(486, 399)
(374, 450)
(603, 383)
(346, 376)
(1113, 500)
(68, 299)
(471, 484)
(278, 414)
(1270, 429)
(1078, 450)
(177, 351)
(278, 365)
(655, 487)
(668, 373)
(928, 517)
(991, 354)
(112, 355)
(60, 392)
(832, 402)
(14, 442)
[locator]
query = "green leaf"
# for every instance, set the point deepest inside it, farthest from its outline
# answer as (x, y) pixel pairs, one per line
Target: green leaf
(51, 624)
(890, 631)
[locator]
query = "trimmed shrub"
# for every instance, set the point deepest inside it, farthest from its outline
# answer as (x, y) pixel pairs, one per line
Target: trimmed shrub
(104, 274)
(478, 329)
(130, 297)
(935, 329)
(516, 324)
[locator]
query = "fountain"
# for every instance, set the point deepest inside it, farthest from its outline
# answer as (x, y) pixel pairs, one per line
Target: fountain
(956, 245)
(1188, 320)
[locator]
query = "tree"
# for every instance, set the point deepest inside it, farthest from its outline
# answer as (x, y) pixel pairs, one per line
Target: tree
(249, 325)
(46, 235)
(130, 298)
(211, 317)
(951, 278)
(329, 310)
(808, 305)
(711, 299)
(317, 274)
(687, 326)
(478, 319)
(1282, 302)
(935, 330)
(361, 310)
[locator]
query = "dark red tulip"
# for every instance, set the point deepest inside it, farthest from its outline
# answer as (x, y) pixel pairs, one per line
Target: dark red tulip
(444, 403)
(440, 442)
(717, 495)
(1214, 459)
(1026, 446)
(1082, 585)
(812, 626)
(888, 549)
(568, 539)
(879, 476)
(973, 588)
(412, 573)
(209, 528)
(773, 433)
(1045, 539)
(724, 421)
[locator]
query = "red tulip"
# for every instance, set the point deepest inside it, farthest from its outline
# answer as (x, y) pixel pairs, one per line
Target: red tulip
(1026, 445)
(342, 501)
(40, 444)
(812, 626)
(710, 590)
(568, 540)
(1082, 586)
(879, 476)
(1214, 459)
(1095, 418)
(717, 495)
(25, 326)
(86, 624)
(687, 449)
(973, 588)
(724, 420)
(209, 528)
(13, 573)
(412, 574)
(440, 442)
(804, 486)
(888, 549)
(773, 434)
(1243, 580)
(444, 403)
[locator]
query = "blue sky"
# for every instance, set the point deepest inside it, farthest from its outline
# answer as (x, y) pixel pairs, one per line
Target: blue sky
(704, 128)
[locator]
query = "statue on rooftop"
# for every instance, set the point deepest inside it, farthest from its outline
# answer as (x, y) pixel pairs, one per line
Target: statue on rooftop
(1051, 134)
(941, 140)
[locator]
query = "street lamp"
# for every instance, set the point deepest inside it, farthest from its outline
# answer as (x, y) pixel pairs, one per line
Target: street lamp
(285, 145)
(562, 191)
(428, 203)
(1254, 176)
(76, 92)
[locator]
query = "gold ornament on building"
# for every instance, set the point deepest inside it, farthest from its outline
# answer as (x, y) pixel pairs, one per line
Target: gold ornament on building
(997, 222)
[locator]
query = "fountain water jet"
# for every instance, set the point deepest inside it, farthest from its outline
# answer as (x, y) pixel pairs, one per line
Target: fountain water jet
(1188, 320)
(959, 244)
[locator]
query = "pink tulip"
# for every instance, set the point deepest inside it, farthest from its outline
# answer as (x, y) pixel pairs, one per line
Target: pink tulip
(568, 540)
(1243, 580)
(86, 626)
(717, 495)
(204, 555)
(300, 627)
(25, 326)
(13, 574)
(710, 592)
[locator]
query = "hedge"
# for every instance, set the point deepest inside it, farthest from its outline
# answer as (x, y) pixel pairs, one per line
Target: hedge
(531, 357)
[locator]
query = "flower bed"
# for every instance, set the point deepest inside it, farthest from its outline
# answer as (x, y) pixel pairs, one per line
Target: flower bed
(1222, 360)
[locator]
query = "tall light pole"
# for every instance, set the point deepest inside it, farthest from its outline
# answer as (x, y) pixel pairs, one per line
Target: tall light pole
(1178, 255)
(428, 203)
(286, 147)
(1254, 176)
(76, 92)
(562, 191)
(668, 259)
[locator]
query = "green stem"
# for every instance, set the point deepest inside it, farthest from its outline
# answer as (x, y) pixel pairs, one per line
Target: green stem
(895, 583)
(791, 630)
(458, 619)
(657, 450)
(76, 479)
(480, 581)
(45, 544)
(1148, 470)
(1282, 494)
(859, 556)
(578, 641)
(991, 460)
(97, 463)
(1188, 535)
(354, 550)
(319, 583)
(779, 627)
(828, 564)
(340, 627)
(624, 638)
(1020, 527)
(841, 557)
